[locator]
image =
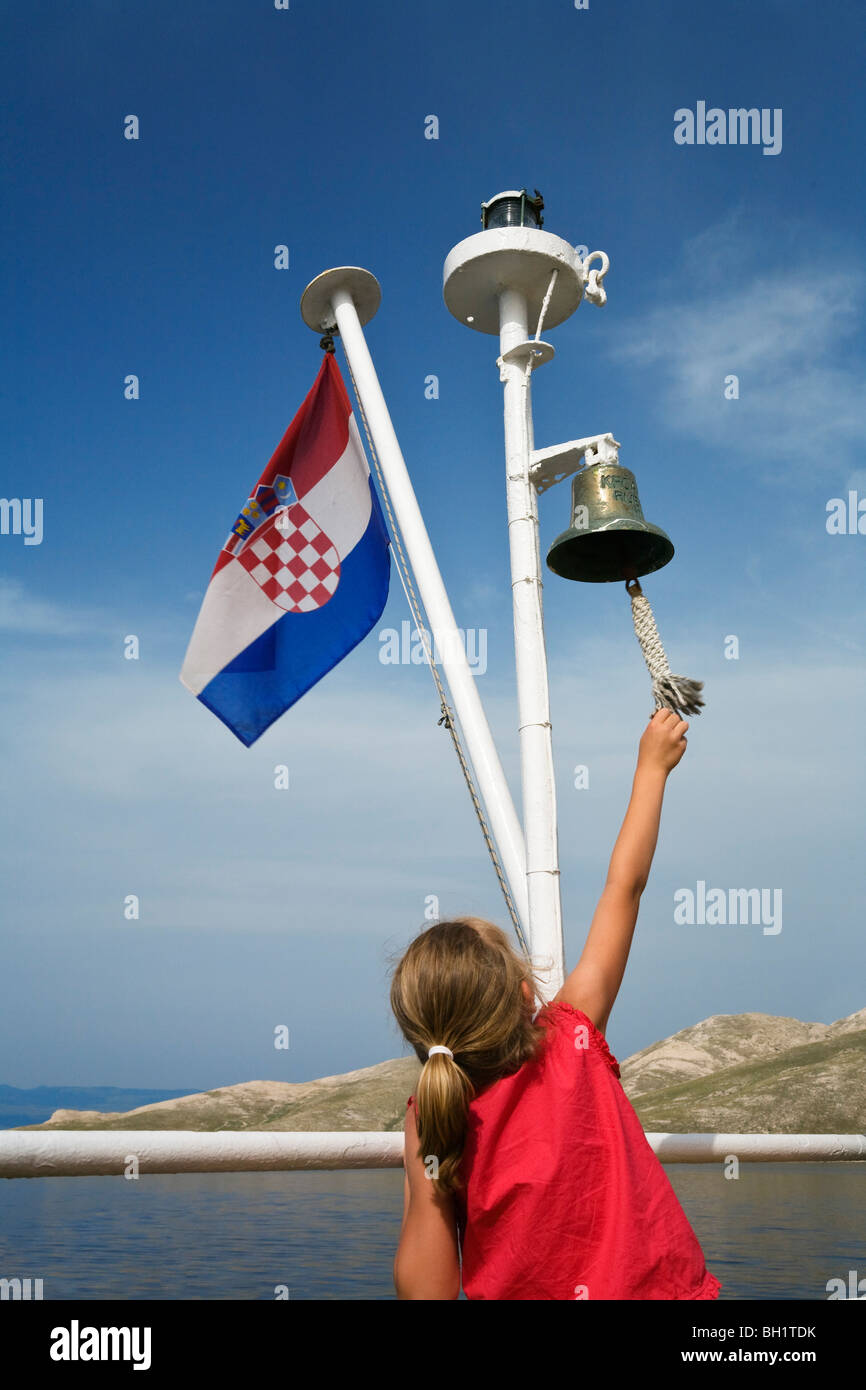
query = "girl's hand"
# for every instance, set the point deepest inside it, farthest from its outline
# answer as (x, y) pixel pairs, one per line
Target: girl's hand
(663, 742)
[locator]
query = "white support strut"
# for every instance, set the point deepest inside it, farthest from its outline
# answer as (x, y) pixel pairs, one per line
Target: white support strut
(536, 741)
(107, 1153)
(492, 783)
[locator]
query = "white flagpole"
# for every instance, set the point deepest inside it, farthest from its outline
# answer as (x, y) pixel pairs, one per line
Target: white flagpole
(348, 297)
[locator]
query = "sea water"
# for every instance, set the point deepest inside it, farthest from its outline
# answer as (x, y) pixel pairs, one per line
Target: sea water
(780, 1230)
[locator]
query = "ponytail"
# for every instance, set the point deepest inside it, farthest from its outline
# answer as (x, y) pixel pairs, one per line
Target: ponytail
(458, 996)
(442, 1098)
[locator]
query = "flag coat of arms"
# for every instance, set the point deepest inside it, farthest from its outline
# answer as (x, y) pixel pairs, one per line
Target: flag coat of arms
(303, 575)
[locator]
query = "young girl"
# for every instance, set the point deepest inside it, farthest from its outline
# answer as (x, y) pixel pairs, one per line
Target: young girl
(520, 1141)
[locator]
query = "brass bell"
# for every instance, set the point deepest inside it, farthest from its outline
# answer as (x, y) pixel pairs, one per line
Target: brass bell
(608, 538)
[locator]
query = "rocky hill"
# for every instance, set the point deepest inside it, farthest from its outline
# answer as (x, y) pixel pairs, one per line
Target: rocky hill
(373, 1098)
(753, 1074)
(818, 1088)
(31, 1105)
(740, 1073)
(724, 1040)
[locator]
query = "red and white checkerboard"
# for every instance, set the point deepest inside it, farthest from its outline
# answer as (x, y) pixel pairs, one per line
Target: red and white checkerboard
(293, 561)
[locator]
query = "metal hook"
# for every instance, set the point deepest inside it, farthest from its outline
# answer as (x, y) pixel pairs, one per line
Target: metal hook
(594, 292)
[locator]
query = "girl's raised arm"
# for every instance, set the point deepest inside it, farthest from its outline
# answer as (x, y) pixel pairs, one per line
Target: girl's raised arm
(594, 982)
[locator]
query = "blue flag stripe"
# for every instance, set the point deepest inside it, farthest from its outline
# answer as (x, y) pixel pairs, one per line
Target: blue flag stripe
(275, 670)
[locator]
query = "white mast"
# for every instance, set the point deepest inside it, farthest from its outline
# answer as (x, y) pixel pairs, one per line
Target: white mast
(505, 280)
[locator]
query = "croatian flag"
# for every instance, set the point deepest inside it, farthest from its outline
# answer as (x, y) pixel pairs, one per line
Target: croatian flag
(303, 575)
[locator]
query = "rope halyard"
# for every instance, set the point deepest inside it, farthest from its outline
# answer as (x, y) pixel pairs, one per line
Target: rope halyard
(678, 693)
(447, 717)
(545, 304)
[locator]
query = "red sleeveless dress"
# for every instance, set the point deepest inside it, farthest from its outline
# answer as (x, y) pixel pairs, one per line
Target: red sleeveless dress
(563, 1196)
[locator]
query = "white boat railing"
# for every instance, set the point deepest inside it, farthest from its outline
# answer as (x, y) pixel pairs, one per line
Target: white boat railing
(107, 1153)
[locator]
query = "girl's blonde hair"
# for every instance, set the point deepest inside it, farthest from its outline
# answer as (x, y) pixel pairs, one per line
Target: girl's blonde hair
(460, 985)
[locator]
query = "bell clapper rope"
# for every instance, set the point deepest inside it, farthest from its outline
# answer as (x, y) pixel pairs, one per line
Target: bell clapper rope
(678, 693)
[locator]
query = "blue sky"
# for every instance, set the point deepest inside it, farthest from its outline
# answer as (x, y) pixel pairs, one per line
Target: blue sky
(155, 257)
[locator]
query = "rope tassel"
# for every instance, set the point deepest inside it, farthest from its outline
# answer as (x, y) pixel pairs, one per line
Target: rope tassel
(678, 693)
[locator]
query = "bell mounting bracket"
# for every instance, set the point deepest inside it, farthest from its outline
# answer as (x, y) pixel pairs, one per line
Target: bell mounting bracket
(547, 467)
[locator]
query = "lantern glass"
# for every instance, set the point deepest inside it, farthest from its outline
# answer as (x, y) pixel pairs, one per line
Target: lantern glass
(513, 208)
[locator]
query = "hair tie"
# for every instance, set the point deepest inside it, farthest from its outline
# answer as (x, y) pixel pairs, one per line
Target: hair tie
(439, 1048)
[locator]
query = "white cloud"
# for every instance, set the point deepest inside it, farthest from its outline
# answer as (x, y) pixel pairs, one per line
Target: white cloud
(786, 332)
(20, 612)
(120, 782)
